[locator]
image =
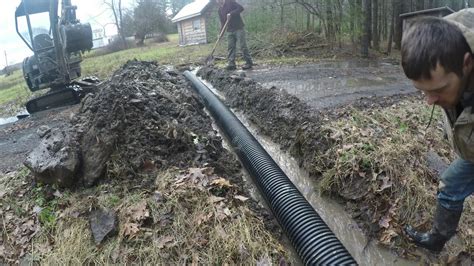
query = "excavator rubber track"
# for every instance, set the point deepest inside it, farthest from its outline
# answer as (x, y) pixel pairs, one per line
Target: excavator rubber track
(70, 95)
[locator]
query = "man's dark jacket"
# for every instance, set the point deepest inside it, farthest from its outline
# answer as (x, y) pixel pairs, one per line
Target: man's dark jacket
(234, 9)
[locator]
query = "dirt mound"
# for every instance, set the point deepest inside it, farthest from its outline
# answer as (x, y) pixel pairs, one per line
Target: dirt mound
(144, 118)
(280, 115)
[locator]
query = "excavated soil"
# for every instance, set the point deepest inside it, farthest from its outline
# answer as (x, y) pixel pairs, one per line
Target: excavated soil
(144, 118)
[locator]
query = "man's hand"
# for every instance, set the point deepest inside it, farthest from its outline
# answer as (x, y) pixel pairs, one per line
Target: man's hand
(228, 16)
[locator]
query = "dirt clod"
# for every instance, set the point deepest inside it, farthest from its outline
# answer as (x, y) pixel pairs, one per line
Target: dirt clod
(56, 159)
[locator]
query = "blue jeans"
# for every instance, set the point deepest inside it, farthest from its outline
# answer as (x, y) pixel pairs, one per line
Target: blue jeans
(457, 183)
(233, 37)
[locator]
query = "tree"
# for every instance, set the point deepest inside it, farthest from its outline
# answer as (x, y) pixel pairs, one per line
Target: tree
(149, 16)
(365, 33)
(116, 8)
(375, 20)
(176, 5)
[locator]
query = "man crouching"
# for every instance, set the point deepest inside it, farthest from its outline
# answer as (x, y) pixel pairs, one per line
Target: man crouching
(437, 57)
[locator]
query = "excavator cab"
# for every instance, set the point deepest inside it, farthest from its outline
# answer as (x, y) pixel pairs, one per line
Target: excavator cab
(57, 42)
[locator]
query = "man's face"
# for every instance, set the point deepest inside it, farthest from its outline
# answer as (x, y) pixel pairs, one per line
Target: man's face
(220, 2)
(443, 89)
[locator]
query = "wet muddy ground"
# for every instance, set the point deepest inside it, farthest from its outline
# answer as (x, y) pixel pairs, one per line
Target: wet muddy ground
(18, 138)
(330, 84)
(280, 116)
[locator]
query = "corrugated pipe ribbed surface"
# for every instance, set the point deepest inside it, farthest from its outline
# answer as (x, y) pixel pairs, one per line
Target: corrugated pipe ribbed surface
(315, 243)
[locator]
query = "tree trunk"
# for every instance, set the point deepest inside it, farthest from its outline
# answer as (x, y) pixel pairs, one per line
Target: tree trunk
(118, 23)
(375, 31)
(308, 21)
(366, 28)
(399, 8)
(282, 14)
(122, 35)
(329, 22)
(369, 18)
(352, 20)
(430, 3)
(390, 35)
(420, 5)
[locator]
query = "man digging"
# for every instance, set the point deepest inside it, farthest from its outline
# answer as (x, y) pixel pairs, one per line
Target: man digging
(230, 10)
(437, 57)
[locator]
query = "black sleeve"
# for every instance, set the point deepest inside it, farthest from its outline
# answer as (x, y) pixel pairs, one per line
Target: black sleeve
(236, 9)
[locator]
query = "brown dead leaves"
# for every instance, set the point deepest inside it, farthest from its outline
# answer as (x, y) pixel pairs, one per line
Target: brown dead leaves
(204, 179)
(19, 222)
(135, 216)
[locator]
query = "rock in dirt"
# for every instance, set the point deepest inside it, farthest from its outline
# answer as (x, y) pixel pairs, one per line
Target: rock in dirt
(56, 159)
(103, 224)
(43, 130)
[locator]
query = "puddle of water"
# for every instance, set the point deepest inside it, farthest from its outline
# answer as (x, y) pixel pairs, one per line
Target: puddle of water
(8, 120)
(340, 222)
(20, 115)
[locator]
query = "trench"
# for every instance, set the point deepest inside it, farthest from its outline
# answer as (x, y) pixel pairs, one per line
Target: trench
(364, 251)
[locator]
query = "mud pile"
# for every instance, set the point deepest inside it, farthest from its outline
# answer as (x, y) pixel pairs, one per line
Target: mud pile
(288, 121)
(144, 118)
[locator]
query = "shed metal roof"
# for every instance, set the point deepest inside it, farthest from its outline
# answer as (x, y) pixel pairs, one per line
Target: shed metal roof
(444, 9)
(191, 10)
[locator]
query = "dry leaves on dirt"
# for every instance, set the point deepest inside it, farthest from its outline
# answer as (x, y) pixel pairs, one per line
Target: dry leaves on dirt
(135, 215)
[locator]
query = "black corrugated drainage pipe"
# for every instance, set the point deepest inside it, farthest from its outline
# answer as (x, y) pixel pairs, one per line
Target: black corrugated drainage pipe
(315, 243)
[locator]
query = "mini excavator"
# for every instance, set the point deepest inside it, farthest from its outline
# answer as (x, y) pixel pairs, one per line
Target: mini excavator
(57, 52)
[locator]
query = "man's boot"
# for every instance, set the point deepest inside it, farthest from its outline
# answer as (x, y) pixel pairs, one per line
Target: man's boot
(444, 227)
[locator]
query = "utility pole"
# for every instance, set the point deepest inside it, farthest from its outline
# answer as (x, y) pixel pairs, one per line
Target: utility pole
(7, 72)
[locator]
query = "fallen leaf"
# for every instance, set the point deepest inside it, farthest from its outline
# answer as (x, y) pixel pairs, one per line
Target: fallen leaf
(202, 218)
(387, 183)
(164, 241)
(385, 221)
(227, 212)
(241, 198)
(214, 199)
(387, 236)
(57, 194)
(139, 211)
(131, 230)
(222, 183)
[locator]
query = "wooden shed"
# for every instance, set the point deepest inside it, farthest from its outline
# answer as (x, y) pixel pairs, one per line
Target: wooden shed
(434, 12)
(193, 22)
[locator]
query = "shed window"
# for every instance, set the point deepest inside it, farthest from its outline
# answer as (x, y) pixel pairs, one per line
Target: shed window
(197, 24)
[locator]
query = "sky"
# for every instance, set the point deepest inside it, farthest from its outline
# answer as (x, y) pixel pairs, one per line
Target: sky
(92, 11)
